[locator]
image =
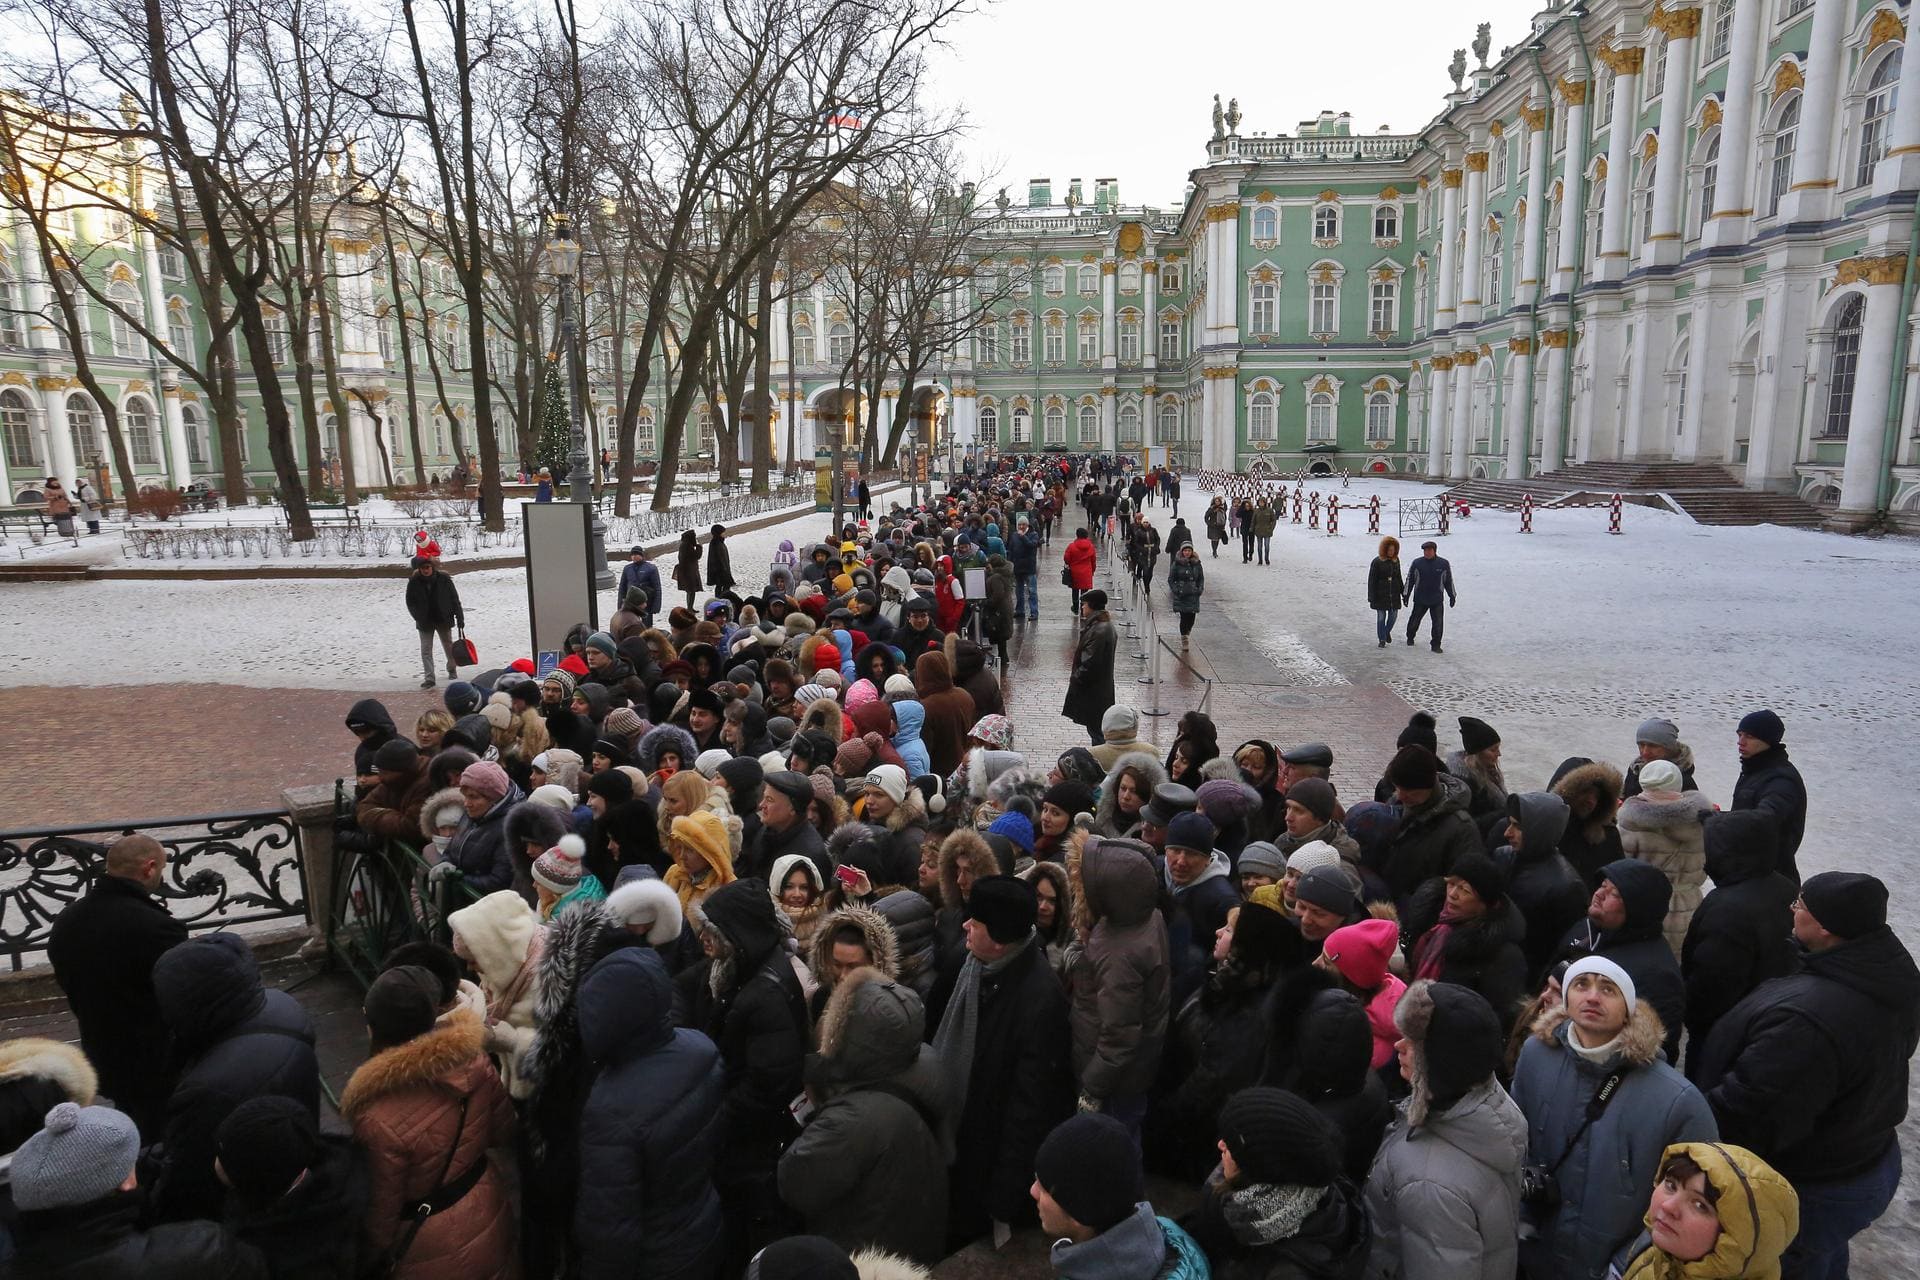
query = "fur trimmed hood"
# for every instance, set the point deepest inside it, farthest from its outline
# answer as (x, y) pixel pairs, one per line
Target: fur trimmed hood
(451, 1048)
(881, 944)
(1639, 1044)
(1063, 887)
(878, 1264)
(434, 804)
(1688, 809)
(970, 848)
(646, 904)
(64, 1065)
(1600, 780)
(910, 812)
(1106, 812)
(498, 929)
(871, 1034)
(664, 737)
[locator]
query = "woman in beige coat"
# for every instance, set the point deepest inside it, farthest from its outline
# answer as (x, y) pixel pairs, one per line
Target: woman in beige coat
(1662, 826)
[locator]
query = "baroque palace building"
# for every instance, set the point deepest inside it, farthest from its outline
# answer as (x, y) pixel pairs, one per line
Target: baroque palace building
(1647, 231)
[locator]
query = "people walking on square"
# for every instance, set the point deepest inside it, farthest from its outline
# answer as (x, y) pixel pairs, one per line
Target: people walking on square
(686, 570)
(1079, 558)
(1090, 680)
(1430, 589)
(1264, 520)
(1217, 525)
(1385, 588)
(1186, 580)
(434, 603)
(1770, 783)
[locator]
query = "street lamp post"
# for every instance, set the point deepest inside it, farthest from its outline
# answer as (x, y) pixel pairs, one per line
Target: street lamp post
(563, 260)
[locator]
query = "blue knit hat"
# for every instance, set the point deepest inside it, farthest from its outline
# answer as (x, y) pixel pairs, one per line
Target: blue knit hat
(1015, 827)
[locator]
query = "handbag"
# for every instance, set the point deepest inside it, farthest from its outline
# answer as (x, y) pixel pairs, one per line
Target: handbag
(1066, 575)
(464, 653)
(443, 1196)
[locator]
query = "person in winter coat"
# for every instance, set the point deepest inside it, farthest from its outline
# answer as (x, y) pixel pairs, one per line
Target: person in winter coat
(1477, 764)
(999, 612)
(1385, 589)
(910, 718)
(650, 1130)
(853, 937)
(891, 802)
(1467, 932)
(642, 575)
(1309, 813)
(1428, 580)
(1023, 550)
(1118, 984)
(434, 604)
(1186, 580)
(686, 569)
(1434, 828)
(1811, 1070)
(1716, 1210)
(719, 562)
(748, 1000)
(295, 1195)
(1661, 826)
(391, 809)
(1603, 1165)
(1444, 1192)
(1624, 921)
(1056, 910)
(1005, 1046)
(232, 1040)
(1129, 785)
(969, 663)
(1742, 933)
(428, 1109)
(1091, 1195)
(1540, 882)
(1359, 955)
(949, 712)
(1770, 783)
(103, 949)
(1079, 558)
(1278, 1204)
(1591, 789)
(1319, 1045)
(1265, 518)
(479, 850)
(868, 1170)
(500, 938)
(371, 724)
(74, 1184)
(1659, 739)
(1216, 520)
(1199, 880)
(1090, 678)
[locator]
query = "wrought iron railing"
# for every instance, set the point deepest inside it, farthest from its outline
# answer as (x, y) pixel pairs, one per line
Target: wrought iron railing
(384, 898)
(223, 870)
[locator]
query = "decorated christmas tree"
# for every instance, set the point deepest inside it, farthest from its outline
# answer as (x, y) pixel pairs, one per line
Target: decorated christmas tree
(552, 449)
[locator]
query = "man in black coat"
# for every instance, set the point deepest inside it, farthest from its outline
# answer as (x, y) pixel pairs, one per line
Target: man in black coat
(1810, 1071)
(103, 949)
(234, 1040)
(1769, 782)
(295, 1195)
(1090, 681)
(435, 607)
(1006, 1047)
(1741, 934)
(1625, 923)
(1540, 882)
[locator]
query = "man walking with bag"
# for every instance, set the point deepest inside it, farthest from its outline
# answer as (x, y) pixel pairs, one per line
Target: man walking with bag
(435, 607)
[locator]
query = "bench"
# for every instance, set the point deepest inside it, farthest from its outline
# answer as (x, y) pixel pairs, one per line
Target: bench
(329, 514)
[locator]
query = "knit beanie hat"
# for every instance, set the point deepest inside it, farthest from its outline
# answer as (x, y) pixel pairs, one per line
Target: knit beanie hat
(1414, 768)
(1091, 1167)
(1078, 764)
(462, 699)
(1329, 889)
(1278, 1138)
(1477, 735)
(553, 796)
(892, 779)
(1661, 775)
(1765, 726)
(1311, 855)
(1262, 859)
(1420, 732)
(825, 789)
(853, 757)
(743, 776)
(1482, 874)
(1315, 795)
(1226, 800)
(1847, 904)
(1658, 732)
(704, 833)
(1606, 969)
(264, 1144)
(1120, 724)
(624, 722)
(402, 1003)
(603, 642)
(613, 786)
(487, 779)
(560, 868)
(1005, 905)
(562, 681)
(1191, 831)
(1070, 797)
(808, 694)
(826, 657)
(802, 1258)
(993, 731)
(497, 715)
(1015, 827)
(395, 755)
(708, 762)
(83, 1154)
(1362, 952)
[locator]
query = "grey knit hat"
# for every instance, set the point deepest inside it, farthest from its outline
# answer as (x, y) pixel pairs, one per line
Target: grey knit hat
(82, 1155)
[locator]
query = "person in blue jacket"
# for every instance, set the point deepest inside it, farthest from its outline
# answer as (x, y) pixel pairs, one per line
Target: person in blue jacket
(643, 574)
(1428, 580)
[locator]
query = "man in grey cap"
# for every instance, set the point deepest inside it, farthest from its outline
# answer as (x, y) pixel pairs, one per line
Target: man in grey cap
(1168, 802)
(1308, 760)
(1659, 739)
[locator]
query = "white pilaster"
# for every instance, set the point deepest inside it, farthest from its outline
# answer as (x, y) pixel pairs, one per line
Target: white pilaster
(1733, 192)
(167, 385)
(1643, 427)
(1867, 424)
(1437, 399)
(1612, 262)
(1460, 437)
(1109, 318)
(61, 461)
(1780, 389)
(1550, 418)
(1150, 320)
(1533, 233)
(1718, 315)
(1663, 240)
(1520, 405)
(1446, 313)
(1476, 217)
(1573, 184)
(1810, 198)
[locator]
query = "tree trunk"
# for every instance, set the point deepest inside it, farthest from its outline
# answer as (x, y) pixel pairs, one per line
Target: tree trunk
(763, 376)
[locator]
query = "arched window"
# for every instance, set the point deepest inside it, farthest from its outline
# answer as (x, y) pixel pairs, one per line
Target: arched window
(16, 425)
(645, 443)
(989, 422)
(706, 436)
(137, 417)
(1720, 39)
(1709, 178)
(1089, 282)
(1262, 421)
(1420, 296)
(1386, 222)
(180, 330)
(1324, 314)
(1022, 424)
(276, 326)
(1055, 335)
(1022, 340)
(1266, 223)
(1129, 424)
(1326, 222)
(13, 330)
(1497, 175)
(82, 429)
(124, 302)
(1379, 416)
(1490, 272)
(1169, 277)
(1129, 277)
(1089, 424)
(1883, 93)
(802, 340)
(1056, 424)
(1844, 368)
(1264, 308)
(1383, 307)
(1647, 172)
(839, 344)
(1053, 280)
(1319, 417)
(196, 442)
(1129, 338)
(1169, 421)
(1786, 127)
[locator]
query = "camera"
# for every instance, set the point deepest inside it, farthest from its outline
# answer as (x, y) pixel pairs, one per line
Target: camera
(1539, 1189)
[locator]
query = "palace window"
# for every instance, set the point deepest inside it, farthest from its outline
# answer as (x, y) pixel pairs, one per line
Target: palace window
(1089, 282)
(1054, 335)
(1129, 277)
(1647, 172)
(1089, 424)
(138, 417)
(989, 422)
(180, 329)
(1089, 340)
(1169, 426)
(1497, 178)
(1053, 280)
(1022, 277)
(1324, 310)
(1709, 179)
(1721, 38)
(123, 302)
(987, 341)
(1129, 424)
(1169, 340)
(13, 333)
(802, 340)
(1262, 422)
(1844, 368)
(1383, 309)
(1386, 222)
(1022, 340)
(1780, 172)
(1265, 308)
(1490, 273)
(1266, 223)
(1056, 424)
(1129, 339)
(197, 444)
(839, 344)
(81, 428)
(1319, 417)
(1883, 92)
(644, 443)
(1379, 416)
(1326, 222)
(1022, 425)
(276, 326)
(1169, 277)
(16, 424)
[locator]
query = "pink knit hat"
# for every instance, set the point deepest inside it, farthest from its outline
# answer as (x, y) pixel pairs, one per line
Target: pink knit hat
(561, 868)
(487, 779)
(1361, 951)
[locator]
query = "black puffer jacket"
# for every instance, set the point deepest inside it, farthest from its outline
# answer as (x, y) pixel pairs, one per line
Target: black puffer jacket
(1541, 882)
(370, 713)
(1742, 933)
(234, 1040)
(1483, 954)
(1640, 945)
(911, 916)
(1810, 1071)
(1220, 1038)
(103, 1239)
(1770, 783)
(651, 1129)
(1429, 838)
(311, 1233)
(1321, 1048)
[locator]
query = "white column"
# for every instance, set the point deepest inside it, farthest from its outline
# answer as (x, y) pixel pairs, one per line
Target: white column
(1476, 217)
(1445, 309)
(1899, 169)
(1109, 318)
(1109, 424)
(1732, 193)
(777, 322)
(1612, 263)
(965, 428)
(1437, 415)
(1810, 196)
(1461, 434)
(1150, 321)
(1550, 419)
(1867, 424)
(1520, 405)
(1643, 425)
(61, 461)
(1573, 184)
(1533, 233)
(1664, 238)
(1229, 283)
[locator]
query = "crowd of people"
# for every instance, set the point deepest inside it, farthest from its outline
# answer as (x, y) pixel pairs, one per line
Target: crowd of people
(775, 955)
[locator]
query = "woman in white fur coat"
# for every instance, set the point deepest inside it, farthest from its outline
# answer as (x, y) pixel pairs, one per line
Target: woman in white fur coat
(1662, 826)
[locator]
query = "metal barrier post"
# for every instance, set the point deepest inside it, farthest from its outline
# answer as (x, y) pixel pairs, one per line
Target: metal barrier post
(1333, 516)
(1373, 514)
(1526, 513)
(1313, 511)
(1613, 516)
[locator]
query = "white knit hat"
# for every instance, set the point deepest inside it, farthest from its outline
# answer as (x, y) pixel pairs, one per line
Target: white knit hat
(1314, 853)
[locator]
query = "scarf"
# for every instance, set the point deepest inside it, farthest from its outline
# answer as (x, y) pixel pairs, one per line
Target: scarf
(953, 1042)
(1430, 953)
(501, 1003)
(1600, 1056)
(1265, 1212)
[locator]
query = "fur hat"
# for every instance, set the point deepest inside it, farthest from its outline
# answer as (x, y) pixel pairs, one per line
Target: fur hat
(647, 907)
(1456, 1043)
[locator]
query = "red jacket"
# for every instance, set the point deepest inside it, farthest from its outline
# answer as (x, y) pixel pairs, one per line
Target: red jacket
(1079, 556)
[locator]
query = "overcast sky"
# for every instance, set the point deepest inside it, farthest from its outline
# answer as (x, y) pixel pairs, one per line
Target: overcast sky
(1077, 89)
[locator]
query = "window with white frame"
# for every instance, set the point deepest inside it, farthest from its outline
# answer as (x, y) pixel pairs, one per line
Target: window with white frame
(1168, 425)
(839, 344)
(1679, 382)
(1383, 306)
(81, 428)
(13, 328)
(645, 443)
(1497, 164)
(1129, 338)
(1792, 7)
(1645, 201)
(1054, 337)
(1843, 368)
(137, 417)
(439, 438)
(1263, 307)
(1022, 277)
(276, 326)
(1490, 272)
(1324, 307)
(802, 340)
(16, 425)
(1266, 224)
(1022, 424)
(180, 329)
(1129, 423)
(1420, 297)
(989, 422)
(1169, 277)
(1483, 402)
(196, 439)
(1169, 340)
(1786, 130)
(1089, 424)
(986, 341)
(1022, 340)
(172, 265)
(1056, 424)
(1326, 223)
(1320, 407)
(1089, 339)
(1262, 418)
(1053, 280)
(705, 438)
(1550, 258)
(1089, 280)
(1129, 277)
(1709, 183)
(1386, 222)
(1720, 35)
(124, 303)
(1876, 116)
(1657, 80)
(1379, 416)
(1606, 106)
